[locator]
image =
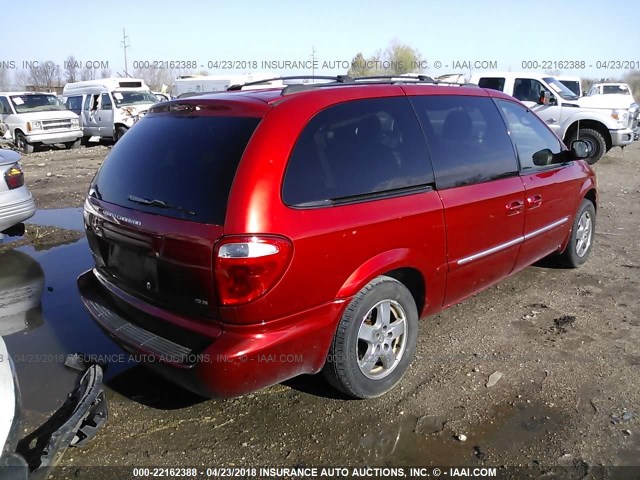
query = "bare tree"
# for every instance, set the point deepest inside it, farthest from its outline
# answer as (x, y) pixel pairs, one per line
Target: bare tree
(5, 79)
(105, 73)
(586, 83)
(632, 78)
(45, 74)
(21, 79)
(155, 78)
(88, 73)
(71, 67)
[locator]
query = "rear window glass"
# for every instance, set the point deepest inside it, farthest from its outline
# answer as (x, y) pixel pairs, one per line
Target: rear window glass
(186, 162)
(494, 83)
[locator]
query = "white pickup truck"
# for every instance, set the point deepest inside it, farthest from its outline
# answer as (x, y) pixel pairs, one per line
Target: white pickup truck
(568, 115)
(610, 88)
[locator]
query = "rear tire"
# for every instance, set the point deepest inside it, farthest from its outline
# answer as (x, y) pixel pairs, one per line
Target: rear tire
(375, 340)
(22, 144)
(581, 236)
(597, 142)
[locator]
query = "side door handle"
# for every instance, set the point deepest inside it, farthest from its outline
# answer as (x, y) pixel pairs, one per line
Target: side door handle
(515, 207)
(534, 201)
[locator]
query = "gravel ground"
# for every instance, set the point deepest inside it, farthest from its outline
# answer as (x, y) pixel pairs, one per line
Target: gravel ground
(567, 343)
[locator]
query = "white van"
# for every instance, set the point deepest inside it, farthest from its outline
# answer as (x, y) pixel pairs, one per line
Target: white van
(108, 107)
(188, 84)
(38, 118)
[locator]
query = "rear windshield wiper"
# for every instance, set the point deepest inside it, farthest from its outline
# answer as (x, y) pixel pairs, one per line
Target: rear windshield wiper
(159, 203)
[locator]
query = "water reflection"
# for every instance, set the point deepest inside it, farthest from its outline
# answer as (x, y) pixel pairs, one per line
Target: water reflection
(68, 218)
(42, 321)
(21, 286)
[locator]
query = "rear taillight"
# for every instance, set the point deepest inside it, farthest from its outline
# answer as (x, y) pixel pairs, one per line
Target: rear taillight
(14, 177)
(247, 267)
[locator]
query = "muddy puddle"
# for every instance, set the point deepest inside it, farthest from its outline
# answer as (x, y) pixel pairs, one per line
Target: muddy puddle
(429, 440)
(67, 218)
(42, 319)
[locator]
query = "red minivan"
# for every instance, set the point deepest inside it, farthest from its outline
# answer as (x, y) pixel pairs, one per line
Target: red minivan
(243, 238)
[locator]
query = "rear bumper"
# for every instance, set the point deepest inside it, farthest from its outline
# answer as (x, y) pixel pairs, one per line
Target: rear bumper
(621, 138)
(52, 138)
(241, 359)
(17, 211)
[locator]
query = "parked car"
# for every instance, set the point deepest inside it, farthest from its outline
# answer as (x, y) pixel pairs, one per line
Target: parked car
(307, 229)
(603, 126)
(16, 201)
(108, 107)
(39, 118)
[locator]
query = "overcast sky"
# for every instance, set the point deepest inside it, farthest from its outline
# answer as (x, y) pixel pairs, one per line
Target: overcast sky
(505, 32)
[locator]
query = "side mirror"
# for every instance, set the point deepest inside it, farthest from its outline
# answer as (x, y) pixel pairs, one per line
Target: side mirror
(580, 149)
(543, 158)
(544, 98)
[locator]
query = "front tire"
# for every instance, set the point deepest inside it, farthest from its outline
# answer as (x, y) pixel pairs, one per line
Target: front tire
(581, 237)
(375, 340)
(73, 145)
(597, 142)
(22, 144)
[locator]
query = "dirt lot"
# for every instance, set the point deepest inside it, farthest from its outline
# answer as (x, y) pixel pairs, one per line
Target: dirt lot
(60, 178)
(567, 343)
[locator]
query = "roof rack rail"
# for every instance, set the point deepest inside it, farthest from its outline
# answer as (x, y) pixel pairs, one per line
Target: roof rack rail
(197, 94)
(402, 78)
(456, 84)
(336, 79)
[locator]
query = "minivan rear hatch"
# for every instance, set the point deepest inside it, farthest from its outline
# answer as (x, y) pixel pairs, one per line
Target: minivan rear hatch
(157, 204)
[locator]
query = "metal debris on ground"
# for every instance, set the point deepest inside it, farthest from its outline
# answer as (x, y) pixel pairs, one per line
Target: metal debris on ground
(493, 379)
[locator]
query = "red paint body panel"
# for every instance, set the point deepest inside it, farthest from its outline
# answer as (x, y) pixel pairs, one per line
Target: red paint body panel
(552, 197)
(478, 220)
(458, 241)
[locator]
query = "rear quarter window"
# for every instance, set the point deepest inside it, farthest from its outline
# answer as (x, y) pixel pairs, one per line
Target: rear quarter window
(467, 138)
(187, 162)
(361, 147)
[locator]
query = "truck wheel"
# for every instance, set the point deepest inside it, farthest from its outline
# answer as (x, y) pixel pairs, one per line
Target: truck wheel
(22, 144)
(596, 140)
(375, 340)
(73, 145)
(581, 236)
(120, 131)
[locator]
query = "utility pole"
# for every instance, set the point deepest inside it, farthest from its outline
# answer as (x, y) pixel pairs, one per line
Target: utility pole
(313, 60)
(125, 45)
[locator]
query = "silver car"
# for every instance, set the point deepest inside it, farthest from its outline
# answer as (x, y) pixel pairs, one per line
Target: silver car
(16, 201)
